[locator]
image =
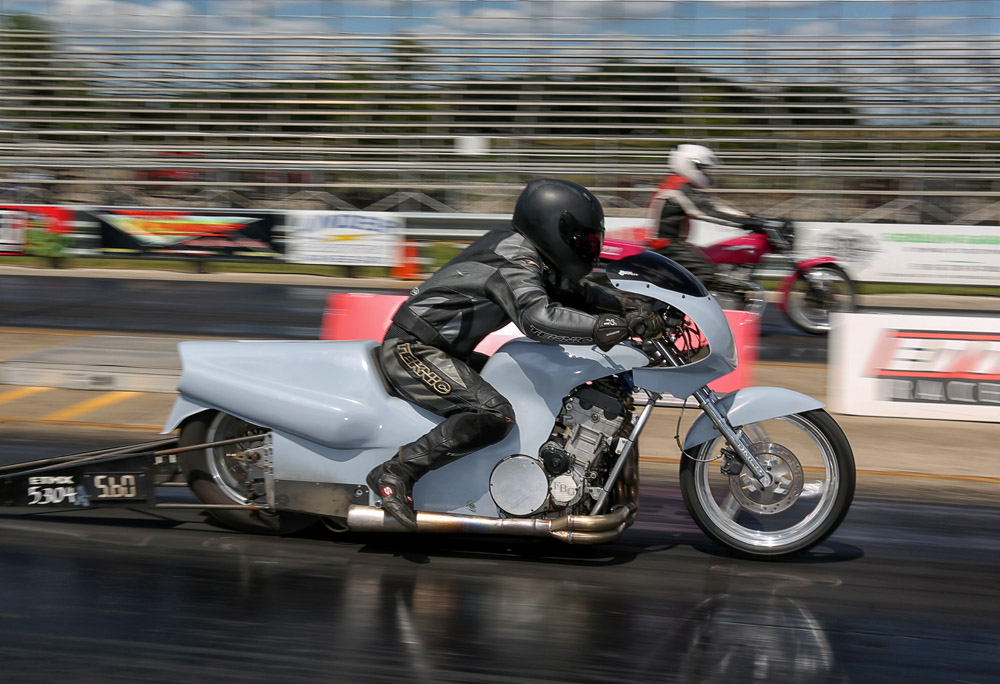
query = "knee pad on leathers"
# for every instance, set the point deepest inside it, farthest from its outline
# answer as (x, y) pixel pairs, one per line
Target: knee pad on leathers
(477, 429)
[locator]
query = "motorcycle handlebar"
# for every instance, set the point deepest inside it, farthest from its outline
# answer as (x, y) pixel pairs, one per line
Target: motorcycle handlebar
(780, 233)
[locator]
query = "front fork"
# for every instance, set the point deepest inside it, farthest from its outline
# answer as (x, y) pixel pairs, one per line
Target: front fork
(708, 401)
(738, 441)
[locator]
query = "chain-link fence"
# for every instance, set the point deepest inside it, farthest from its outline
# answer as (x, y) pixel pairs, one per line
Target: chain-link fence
(873, 111)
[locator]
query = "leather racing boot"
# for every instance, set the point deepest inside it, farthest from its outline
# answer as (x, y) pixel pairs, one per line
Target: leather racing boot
(392, 481)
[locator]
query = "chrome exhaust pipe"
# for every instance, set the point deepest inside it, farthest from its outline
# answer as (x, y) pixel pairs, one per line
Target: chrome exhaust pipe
(572, 529)
(576, 524)
(590, 537)
(372, 519)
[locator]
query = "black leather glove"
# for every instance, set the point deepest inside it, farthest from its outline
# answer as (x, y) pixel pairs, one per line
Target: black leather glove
(632, 304)
(610, 330)
(647, 326)
(755, 224)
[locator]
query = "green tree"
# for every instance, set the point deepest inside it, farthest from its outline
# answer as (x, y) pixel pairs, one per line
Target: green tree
(39, 87)
(818, 105)
(23, 40)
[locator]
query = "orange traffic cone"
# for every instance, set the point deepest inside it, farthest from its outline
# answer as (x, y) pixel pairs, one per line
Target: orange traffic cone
(408, 267)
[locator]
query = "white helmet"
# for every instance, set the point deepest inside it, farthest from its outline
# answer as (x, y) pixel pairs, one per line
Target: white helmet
(693, 162)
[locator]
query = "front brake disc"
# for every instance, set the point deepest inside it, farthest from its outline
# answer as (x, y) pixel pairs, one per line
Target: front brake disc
(786, 481)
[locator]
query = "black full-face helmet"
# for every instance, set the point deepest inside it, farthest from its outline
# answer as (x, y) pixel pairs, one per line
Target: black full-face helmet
(564, 221)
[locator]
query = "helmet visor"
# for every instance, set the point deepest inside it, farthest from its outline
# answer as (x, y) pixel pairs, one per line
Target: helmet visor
(585, 241)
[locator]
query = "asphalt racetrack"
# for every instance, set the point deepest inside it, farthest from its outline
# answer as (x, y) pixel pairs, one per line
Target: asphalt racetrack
(905, 591)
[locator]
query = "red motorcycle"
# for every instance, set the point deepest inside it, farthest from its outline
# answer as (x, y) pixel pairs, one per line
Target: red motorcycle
(808, 293)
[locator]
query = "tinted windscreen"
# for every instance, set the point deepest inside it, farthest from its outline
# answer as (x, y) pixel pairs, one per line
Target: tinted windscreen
(657, 270)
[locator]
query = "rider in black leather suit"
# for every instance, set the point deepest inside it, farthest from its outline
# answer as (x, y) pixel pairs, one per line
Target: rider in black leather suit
(530, 273)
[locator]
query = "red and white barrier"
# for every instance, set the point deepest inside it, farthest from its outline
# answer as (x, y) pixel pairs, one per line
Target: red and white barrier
(357, 316)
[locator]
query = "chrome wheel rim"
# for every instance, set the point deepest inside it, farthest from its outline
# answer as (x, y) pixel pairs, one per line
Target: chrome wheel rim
(822, 292)
(796, 507)
(786, 481)
(237, 478)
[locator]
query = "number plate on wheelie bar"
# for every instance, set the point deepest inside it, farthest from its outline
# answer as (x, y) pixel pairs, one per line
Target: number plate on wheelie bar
(81, 486)
(107, 487)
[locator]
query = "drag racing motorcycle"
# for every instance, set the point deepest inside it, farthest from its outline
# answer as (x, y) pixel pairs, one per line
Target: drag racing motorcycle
(813, 288)
(279, 434)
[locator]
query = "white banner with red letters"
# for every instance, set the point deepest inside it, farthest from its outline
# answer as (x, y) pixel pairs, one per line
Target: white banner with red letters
(13, 226)
(913, 366)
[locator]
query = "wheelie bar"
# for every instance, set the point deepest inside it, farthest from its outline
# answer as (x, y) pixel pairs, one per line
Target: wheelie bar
(125, 475)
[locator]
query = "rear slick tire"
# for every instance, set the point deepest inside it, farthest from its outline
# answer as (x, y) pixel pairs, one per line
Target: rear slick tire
(216, 478)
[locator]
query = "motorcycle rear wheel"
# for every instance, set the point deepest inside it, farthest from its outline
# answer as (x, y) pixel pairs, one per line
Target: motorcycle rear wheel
(813, 466)
(823, 290)
(216, 477)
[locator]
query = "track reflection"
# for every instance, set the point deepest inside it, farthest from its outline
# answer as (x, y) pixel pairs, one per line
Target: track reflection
(448, 613)
(533, 628)
(125, 596)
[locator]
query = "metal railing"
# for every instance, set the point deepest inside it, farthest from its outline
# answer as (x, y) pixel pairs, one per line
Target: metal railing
(822, 111)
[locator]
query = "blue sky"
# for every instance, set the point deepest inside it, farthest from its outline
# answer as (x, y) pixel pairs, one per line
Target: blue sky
(624, 17)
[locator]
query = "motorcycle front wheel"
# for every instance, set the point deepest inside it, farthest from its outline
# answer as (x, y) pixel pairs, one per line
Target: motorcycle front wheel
(811, 462)
(217, 475)
(817, 293)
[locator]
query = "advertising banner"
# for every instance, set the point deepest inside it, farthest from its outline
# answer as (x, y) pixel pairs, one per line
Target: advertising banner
(193, 233)
(342, 238)
(907, 253)
(912, 366)
(17, 220)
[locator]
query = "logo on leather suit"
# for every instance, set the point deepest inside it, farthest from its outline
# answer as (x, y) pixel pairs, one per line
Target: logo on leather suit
(421, 369)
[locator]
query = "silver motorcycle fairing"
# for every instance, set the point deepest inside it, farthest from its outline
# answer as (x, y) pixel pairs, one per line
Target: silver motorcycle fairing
(328, 392)
(333, 420)
(681, 381)
(750, 405)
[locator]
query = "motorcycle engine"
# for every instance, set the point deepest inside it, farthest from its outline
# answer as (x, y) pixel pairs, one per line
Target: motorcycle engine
(574, 463)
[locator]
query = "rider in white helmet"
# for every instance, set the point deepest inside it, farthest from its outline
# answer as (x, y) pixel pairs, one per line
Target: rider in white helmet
(680, 199)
